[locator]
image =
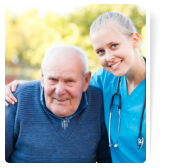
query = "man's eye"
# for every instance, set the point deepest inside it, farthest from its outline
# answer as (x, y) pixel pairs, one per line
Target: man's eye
(70, 81)
(52, 79)
(114, 46)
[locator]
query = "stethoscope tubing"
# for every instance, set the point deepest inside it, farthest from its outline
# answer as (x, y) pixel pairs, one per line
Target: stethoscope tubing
(140, 140)
(140, 129)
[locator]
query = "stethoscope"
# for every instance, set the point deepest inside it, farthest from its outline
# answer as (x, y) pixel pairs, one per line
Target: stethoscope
(140, 140)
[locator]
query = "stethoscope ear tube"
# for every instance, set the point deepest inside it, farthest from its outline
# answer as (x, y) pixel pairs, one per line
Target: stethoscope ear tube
(119, 107)
(117, 93)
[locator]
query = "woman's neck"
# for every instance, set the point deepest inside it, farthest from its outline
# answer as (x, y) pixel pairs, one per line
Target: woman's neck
(137, 73)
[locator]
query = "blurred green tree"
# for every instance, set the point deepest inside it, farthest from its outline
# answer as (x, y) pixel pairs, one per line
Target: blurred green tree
(28, 36)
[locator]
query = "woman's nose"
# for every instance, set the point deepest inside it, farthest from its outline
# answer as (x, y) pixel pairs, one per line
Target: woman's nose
(109, 56)
(60, 89)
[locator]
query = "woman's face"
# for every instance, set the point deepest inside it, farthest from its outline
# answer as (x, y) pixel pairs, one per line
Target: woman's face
(115, 50)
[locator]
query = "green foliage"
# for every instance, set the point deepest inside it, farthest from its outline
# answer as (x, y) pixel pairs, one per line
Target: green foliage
(28, 36)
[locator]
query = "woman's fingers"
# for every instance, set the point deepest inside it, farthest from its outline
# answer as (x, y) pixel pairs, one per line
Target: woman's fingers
(11, 87)
(8, 93)
(14, 84)
(6, 104)
(9, 97)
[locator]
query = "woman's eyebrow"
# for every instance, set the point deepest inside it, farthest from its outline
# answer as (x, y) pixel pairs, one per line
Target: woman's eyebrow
(112, 42)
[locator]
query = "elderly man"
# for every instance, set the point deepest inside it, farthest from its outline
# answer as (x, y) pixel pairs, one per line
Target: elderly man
(60, 118)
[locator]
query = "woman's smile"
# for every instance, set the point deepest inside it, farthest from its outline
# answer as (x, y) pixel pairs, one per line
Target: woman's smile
(115, 65)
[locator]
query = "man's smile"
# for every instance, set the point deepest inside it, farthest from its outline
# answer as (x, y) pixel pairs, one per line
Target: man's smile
(60, 100)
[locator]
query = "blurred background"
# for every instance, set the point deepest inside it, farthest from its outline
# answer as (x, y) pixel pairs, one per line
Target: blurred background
(31, 30)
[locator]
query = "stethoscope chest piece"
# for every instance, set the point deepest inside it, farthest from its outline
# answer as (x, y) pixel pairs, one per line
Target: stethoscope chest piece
(140, 143)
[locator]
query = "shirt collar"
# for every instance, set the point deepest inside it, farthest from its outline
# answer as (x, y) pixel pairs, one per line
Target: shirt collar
(83, 104)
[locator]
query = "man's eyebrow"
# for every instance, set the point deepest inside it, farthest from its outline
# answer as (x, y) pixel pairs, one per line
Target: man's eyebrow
(69, 78)
(52, 76)
(65, 78)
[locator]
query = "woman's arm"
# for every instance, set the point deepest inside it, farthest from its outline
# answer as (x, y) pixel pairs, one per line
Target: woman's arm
(9, 88)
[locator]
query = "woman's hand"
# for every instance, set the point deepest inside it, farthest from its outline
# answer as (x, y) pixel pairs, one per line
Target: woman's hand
(9, 88)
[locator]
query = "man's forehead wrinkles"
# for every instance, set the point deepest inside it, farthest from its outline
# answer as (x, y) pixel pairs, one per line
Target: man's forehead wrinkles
(64, 67)
(64, 75)
(63, 71)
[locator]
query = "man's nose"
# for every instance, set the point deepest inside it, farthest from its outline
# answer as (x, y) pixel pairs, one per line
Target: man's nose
(60, 89)
(109, 56)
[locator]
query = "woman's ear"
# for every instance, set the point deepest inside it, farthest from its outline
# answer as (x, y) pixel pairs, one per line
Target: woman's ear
(136, 40)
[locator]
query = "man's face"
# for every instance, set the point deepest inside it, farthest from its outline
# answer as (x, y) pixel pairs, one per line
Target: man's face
(64, 82)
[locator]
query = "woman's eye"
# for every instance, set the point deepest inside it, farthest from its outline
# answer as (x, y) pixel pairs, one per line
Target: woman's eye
(100, 51)
(114, 46)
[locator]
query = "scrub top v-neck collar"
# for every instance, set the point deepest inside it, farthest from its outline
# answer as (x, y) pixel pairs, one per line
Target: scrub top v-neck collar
(125, 98)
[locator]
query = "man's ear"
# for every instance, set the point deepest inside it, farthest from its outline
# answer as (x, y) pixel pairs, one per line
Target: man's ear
(42, 78)
(87, 80)
(136, 40)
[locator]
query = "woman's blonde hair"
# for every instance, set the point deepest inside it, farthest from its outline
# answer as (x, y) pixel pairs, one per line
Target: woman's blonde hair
(114, 19)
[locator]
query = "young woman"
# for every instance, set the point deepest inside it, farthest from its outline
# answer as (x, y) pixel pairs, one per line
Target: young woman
(123, 81)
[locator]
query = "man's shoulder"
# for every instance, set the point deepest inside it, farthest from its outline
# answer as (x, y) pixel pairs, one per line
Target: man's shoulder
(27, 87)
(95, 100)
(94, 91)
(92, 87)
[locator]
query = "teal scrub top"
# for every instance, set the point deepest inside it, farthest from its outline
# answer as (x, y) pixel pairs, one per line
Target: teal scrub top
(131, 109)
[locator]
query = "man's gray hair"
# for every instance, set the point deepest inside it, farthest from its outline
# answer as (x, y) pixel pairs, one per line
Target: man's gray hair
(72, 48)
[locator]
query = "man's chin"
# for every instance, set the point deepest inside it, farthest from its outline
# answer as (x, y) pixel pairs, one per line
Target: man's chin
(60, 112)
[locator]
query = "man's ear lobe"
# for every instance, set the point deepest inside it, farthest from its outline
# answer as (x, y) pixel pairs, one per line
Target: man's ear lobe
(42, 73)
(136, 40)
(87, 80)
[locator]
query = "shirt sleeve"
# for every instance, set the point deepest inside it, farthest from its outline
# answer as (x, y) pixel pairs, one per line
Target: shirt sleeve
(10, 113)
(103, 151)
